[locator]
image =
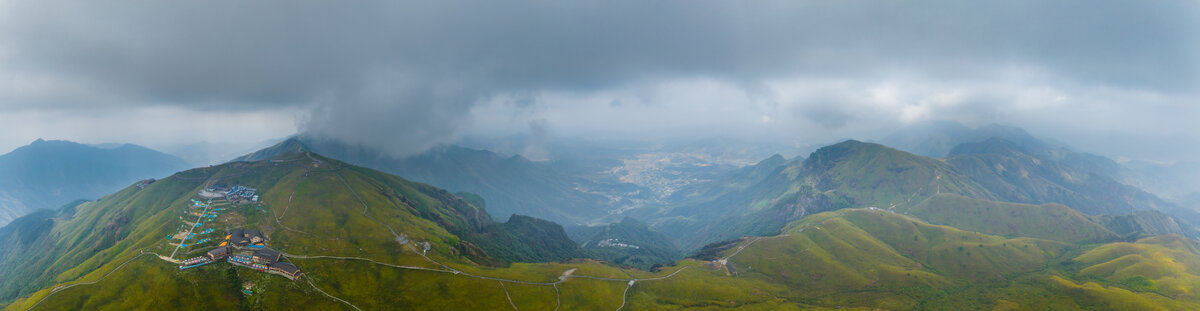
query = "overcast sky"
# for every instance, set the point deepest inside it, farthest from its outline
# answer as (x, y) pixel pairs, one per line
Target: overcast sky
(1118, 78)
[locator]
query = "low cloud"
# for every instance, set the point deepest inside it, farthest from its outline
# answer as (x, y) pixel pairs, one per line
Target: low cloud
(827, 115)
(403, 76)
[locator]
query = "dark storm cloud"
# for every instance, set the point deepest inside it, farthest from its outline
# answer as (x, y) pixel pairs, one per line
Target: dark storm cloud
(409, 73)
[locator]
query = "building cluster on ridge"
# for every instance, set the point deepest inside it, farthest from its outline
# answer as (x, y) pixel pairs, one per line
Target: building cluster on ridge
(246, 248)
(234, 193)
(240, 247)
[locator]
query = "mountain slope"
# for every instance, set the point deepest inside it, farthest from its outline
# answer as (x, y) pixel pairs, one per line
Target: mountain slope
(1015, 174)
(1147, 223)
(336, 222)
(1166, 264)
(628, 243)
(512, 185)
(873, 259)
(766, 196)
(1046, 221)
(847, 174)
(48, 174)
(310, 205)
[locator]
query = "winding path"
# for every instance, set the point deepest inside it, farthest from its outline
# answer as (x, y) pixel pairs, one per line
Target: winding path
(63, 287)
(506, 295)
(309, 280)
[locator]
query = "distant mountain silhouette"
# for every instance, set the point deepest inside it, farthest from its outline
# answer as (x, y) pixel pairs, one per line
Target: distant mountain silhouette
(49, 173)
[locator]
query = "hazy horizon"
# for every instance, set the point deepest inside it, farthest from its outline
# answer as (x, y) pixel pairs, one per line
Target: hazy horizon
(1117, 79)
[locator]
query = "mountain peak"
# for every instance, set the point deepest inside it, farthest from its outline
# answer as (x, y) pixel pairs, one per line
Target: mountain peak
(829, 156)
(937, 138)
(775, 159)
(292, 145)
(995, 128)
(994, 145)
(846, 147)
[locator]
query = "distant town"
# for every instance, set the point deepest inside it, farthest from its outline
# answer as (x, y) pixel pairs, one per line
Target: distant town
(615, 243)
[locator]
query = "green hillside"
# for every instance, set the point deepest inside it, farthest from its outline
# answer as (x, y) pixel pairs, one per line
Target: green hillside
(873, 259)
(1147, 223)
(1168, 265)
(763, 198)
(360, 238)
(1017, 175)
(311, 205)
(843, 175)
(1047, 221)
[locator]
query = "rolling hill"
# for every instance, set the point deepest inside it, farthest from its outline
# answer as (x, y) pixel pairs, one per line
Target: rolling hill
(1047, 221)
(874, 259)
(47, 174)
(359, 235)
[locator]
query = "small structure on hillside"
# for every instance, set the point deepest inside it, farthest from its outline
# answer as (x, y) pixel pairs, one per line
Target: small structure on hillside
(615, 243)
(246, 288)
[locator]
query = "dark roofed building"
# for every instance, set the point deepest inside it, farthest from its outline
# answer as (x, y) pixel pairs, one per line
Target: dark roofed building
(242, 237)
(218, 253)
(287, 269)
(235, 237)
(254, 236)
(266, 255)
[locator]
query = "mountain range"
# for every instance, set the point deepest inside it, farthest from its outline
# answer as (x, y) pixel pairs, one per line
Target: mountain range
(760, 199)
(510, 185)
(47, 174)
(1004, 222)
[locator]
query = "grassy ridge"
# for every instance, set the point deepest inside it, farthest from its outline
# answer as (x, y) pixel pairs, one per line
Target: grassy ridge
(877, 259)
(1047, 221)
(856, 258)
(93, 237)
(840, 259)
(318, 210)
